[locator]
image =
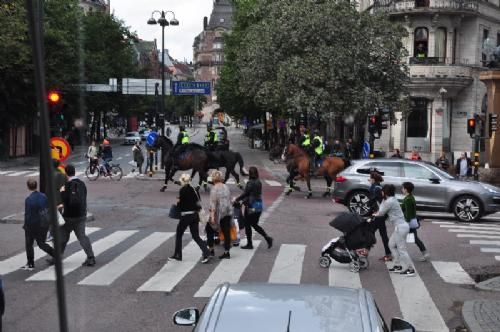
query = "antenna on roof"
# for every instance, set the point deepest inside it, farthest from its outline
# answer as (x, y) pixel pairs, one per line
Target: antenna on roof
(289, 318)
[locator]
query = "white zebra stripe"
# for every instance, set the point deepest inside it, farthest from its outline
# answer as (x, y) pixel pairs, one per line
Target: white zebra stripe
(468, 231)
(495, 250)
(107, 274)
(228, 270)
(472, 227)
(478, 236)
(339, 275)
(485, 242)
(273, 183)
(32, 174)
(5, 172)
(18, 173)
(287, 268)
(74, 261)
(452, 273)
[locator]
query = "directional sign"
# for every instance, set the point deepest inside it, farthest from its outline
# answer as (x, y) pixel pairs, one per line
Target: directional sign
(60, 149)
(190, 88)
(151, 138)
(493, 124)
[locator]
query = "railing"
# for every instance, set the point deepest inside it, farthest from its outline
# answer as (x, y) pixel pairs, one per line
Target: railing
(429, 61)
(392, 6)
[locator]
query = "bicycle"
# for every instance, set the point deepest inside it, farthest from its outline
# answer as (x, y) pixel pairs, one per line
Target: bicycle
(95, 170)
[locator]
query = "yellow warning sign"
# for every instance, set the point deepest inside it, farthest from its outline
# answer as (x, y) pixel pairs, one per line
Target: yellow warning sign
(60, 149)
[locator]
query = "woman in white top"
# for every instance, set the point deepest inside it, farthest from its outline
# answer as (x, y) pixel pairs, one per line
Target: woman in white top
(397, 242)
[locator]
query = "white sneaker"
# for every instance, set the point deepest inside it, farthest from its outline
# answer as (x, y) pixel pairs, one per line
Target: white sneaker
(424, 257)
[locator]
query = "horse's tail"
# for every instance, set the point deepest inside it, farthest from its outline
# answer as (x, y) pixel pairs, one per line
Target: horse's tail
(239, 159)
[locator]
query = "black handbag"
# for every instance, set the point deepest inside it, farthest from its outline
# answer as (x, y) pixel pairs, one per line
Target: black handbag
(175, 212)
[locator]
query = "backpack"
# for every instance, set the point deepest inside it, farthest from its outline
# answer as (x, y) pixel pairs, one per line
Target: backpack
(75, 202)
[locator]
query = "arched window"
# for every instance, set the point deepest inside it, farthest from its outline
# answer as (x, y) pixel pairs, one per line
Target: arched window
(440, 44)
(421, 43)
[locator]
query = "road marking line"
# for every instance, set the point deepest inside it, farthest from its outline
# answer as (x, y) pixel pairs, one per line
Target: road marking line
(32, 174)
(443, 223)
(287, 268)
(173, 271)
(228, 270)
(119, 158)
(495, 250)
(452, 273)
(473, 231)
(339, 275)
(127, 155)
(79, 173)
(477, 236)
(74, 261)
(15, 262)
(472, 227)
(80, 162)
(107, 274)
(273, 183)
(5, 172)
(416, 303)
(267, 212)
(18, 173)
(497, 258)
(485, 242)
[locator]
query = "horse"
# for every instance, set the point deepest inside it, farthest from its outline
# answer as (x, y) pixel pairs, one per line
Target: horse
(227, 159)
(189, 156)
(300, 164)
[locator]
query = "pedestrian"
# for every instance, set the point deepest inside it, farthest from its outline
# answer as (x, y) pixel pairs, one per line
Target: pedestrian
(150, 154)
(59, 181)
(189, 205)
(397, 154)
(409, 207)
(397, 242)
(93, 156)
(443, 162)
(220, 214)
(378, 223)
(107, 155)
(415, 155)
(463, 168)
(2, 303)
(349, 149)
(138, 156)
(35, 214)
(74, 197)
(252, 200)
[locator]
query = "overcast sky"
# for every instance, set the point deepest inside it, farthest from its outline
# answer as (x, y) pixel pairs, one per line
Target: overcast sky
(178, 39)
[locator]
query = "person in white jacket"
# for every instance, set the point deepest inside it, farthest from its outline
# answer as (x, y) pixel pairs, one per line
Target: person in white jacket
(397, 242)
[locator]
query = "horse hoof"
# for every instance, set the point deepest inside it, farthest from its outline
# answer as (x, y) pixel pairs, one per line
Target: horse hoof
(177, 182)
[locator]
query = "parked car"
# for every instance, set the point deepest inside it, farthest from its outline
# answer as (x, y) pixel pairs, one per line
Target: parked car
(131, 138)
(223, 139)
(435, 190)
(279, 307)
(144, 133)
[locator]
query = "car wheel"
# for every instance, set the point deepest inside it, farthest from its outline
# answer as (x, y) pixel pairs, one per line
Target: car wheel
(467, 208)
(357, 202)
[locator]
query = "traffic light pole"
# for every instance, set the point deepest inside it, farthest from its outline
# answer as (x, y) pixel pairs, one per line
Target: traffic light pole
(371, 141)
(477, 141)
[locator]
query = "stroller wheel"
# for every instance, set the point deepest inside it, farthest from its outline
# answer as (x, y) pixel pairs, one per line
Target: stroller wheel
(324, 261)
(354, 266)
(364, 263)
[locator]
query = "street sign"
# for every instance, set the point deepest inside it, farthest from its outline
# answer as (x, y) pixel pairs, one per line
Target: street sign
(151, 138)
(492, 123)
(191, 88)
(60, 149)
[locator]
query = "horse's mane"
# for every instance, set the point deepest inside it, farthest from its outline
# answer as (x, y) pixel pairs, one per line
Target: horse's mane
(168, 140)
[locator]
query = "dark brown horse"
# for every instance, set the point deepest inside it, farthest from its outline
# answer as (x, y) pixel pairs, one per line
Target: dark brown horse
(299, 163)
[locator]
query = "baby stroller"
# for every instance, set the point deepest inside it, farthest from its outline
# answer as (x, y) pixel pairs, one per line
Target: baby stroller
(353, 246)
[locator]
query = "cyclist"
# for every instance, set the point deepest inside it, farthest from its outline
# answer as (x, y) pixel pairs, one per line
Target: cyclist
(92, 155)
(106, 155)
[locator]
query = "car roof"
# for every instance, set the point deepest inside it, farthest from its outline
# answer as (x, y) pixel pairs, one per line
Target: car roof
(132, 133)
(268, 307)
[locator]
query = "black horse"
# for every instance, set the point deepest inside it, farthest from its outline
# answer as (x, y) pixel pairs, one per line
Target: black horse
(189, 156)
(228, 160)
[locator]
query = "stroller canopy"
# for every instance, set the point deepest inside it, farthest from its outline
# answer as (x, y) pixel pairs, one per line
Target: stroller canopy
(346, 222)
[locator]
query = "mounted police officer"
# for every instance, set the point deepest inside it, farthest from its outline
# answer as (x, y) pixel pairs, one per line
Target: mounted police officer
(317, 144)
(305, 141)
(211, 138)
(182, 137)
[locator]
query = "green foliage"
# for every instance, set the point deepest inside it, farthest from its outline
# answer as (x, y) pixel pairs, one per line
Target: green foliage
(319, 56)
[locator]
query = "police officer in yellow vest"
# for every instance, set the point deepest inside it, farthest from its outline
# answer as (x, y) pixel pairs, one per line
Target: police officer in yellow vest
(305, 141)
(208, 136)
(317, 144)
(212, 138)
(183, 137)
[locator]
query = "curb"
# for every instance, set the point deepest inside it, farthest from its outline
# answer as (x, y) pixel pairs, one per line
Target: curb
(492, 284)
(18, 218)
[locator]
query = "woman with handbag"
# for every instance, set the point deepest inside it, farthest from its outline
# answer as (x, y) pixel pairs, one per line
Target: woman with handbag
(189, 204)
(409, 207)
(220, 215)
(252, 199)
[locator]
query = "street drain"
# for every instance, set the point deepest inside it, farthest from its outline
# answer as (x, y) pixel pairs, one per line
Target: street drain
(482, 273)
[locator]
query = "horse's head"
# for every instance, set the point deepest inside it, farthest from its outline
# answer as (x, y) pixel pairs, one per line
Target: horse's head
(163, 142)
(289, 151)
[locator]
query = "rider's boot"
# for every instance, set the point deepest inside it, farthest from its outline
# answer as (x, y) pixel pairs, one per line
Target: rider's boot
(309, 194)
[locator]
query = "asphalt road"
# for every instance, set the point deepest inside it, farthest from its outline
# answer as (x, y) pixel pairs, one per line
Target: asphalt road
(133, 288)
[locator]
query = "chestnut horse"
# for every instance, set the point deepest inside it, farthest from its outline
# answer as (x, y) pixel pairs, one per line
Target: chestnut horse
(299, 165)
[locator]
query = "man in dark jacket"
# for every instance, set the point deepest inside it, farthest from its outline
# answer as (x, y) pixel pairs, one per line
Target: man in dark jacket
(378, 223)
(74, 196)
(463, 168)
(35, 206)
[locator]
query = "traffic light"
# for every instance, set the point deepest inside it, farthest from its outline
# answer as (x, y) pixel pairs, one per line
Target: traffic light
(374, 124)
(54, 97)
(492, 123)
(471, 127)
(385, 116)
(56, 112)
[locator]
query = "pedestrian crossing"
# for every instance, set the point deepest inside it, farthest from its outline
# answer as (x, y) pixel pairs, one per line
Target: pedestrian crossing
(288, 261)
(487, 236)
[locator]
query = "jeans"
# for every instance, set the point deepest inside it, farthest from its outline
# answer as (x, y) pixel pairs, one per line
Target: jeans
(107, 164)
(39, 236)
(76, 225)
(379, 224)
(418, 242)
(191, 221)
(225, 226)
(397, 244)
(251, 221)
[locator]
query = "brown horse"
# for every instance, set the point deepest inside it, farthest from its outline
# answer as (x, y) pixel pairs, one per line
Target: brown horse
(300, 164)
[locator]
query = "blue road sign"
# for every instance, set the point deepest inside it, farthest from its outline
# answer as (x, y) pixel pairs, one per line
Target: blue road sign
(151, 138)
(366, 150)
(190, 88)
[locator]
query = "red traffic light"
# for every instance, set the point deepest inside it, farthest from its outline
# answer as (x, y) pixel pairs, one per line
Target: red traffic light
(54, 97)
(471, 127)
(373, 119)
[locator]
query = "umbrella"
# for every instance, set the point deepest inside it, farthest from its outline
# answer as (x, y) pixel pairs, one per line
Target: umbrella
(346, 222)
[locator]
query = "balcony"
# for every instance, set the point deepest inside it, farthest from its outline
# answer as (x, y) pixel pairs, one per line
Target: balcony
(426, 79)
(431, 61)
(419, 6)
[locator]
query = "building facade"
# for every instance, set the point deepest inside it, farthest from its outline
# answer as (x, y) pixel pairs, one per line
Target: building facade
(208, 47)
(445, 56)
(95, 5)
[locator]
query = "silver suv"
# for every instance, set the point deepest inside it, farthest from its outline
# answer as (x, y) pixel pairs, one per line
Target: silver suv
(435, 190)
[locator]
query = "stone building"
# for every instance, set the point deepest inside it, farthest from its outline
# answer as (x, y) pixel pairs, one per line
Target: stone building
(95, 5)
(208, 47)
(445, 56)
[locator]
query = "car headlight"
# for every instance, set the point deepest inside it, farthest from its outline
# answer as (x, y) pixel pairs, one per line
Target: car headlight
(491, 189)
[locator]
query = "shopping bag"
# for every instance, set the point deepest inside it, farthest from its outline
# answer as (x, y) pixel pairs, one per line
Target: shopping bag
(204, 216)
(232, 231)
(60, 219)
(410, 238)
(414, 224)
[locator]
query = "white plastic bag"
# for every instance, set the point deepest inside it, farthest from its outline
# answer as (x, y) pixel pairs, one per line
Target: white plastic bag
(60, 219)
(410, 238)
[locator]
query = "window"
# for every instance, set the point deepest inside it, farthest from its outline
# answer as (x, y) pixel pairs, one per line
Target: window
(417, 123)
(414, 171)
(440, 44)
(421, 43)
(388, 168)
(421, 3)
(218, 45)
(486, 34)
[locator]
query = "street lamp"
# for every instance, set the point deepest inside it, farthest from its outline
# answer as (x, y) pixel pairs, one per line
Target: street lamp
(163, 22)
